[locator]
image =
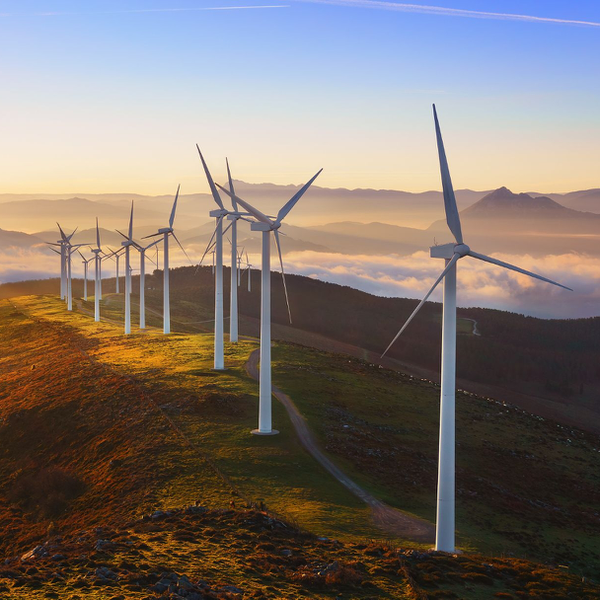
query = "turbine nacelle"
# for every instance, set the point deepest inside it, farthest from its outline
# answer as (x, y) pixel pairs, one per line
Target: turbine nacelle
(165, 230)
(260, 226)
(218, 213)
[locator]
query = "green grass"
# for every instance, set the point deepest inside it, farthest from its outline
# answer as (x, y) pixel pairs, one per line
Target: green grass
(525, 486)
(216, 412)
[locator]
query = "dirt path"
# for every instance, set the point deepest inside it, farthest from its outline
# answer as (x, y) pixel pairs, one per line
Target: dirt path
(475, 330)
(388, 519)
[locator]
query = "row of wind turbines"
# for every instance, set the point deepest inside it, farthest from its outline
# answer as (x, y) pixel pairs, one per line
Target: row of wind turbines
(269, 227)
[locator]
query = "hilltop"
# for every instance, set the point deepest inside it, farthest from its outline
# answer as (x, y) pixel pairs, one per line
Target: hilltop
(120, 473)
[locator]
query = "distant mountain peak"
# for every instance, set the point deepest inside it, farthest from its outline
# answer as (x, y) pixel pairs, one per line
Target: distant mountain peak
(504, 201)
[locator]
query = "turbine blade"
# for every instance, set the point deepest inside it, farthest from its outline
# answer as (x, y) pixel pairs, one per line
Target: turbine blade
(210, 242)
(287, 300)
(153, 244)
(72, 234)
(450, 264)
(172, 217)
(285, 209)
(122, 234)
(62, 233)
(231, 188)
(506, 265)
(211, 183)
(97, 234)
(151, 235)
(82, 256)
(450, 207)
(253, 211)
(131, 222)
(182, 248)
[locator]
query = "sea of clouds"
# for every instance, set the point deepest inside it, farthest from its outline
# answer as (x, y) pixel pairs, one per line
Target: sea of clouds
(479, 284)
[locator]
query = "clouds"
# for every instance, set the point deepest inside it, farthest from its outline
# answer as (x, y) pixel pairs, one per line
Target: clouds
(479, 284)
(451, 12)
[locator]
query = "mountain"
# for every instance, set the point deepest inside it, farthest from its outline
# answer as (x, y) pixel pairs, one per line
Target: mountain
(524, 224)
(504, 204)
(583, 200)
(17, 239)
(36, 215)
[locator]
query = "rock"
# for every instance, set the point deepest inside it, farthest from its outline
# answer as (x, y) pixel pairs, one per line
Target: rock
(105, 573)
(231, 589)
(157, 515)
(103, 544)
(59, 557)
(286, 552)
(37, 552)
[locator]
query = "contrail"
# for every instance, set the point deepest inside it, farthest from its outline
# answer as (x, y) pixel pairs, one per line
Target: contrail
(142, 10)
(449, 12)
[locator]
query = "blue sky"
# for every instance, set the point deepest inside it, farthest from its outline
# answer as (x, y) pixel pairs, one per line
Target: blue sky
(105, 100)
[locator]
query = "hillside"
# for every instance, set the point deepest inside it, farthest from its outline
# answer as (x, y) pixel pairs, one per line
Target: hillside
(546, 366)
(130, 466)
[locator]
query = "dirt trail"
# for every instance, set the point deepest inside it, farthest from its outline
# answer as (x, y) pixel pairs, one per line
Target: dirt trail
(388, 519)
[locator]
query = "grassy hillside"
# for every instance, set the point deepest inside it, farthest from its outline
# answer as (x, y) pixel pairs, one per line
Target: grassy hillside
(99, 431)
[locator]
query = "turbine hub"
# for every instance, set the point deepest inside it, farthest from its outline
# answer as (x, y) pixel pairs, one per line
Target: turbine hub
(461, 249)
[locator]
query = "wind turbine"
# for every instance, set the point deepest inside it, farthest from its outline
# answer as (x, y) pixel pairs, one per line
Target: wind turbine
(249, 269)
(63, 243)
(266, 226)
(165, 232)
(127, 245)
(142, 250)
(115, 255)
(97, 274)
(451, 253)
(217, 268)
(85, 262)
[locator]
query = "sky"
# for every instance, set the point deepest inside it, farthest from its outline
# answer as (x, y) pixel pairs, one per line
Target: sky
(111, 96)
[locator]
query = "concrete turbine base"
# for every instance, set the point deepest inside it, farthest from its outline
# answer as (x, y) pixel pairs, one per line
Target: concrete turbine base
(258, 432)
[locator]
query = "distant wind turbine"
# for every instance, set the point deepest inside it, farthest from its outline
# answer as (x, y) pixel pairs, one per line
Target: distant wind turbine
(97, 274)
(451, 253)
(266, 226)
(85, 262)
(165, 232)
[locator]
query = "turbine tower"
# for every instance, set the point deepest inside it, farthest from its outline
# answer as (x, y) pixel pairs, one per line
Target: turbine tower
(97, 274)
(127, 245)
(85, 262)
(266, 225)
(165, 232)
(220, 213)
(451, 253)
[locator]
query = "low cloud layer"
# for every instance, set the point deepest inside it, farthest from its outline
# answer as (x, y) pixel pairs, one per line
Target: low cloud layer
(479, 284)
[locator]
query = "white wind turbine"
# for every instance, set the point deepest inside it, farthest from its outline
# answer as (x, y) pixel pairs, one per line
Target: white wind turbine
(266, 226)
(97, 274)
(127, 245)
(142, 250)
(249, 270)
(220, 213)
(85, 262)
(165, 232)
(451, 253)
(63, 243)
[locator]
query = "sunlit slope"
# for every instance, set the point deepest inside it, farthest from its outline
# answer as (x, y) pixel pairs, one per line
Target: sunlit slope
(179, 397)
